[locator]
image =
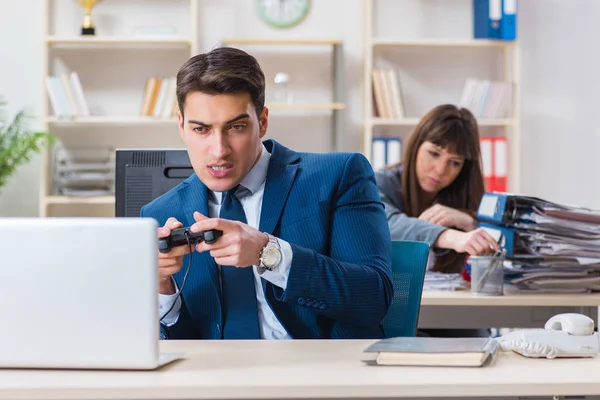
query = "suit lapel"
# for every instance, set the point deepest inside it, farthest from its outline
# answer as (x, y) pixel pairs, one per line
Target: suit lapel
(280, 178)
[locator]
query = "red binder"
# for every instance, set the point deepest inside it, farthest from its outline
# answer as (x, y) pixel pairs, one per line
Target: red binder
(500, 164)
(487, 151)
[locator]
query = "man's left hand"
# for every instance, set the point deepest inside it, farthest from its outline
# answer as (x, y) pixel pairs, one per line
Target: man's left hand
(239, 246)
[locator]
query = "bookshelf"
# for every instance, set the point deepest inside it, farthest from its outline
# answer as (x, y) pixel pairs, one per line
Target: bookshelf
(113, 67)
(282, 49)
(446, 52)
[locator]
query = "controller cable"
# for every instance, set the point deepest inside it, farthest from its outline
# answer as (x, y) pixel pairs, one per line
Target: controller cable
(190, 245)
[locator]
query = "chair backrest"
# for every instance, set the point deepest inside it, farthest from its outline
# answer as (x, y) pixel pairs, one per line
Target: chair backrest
(409, 263)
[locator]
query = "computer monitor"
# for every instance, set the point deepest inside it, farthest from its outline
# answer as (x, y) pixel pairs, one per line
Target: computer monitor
(141, 175)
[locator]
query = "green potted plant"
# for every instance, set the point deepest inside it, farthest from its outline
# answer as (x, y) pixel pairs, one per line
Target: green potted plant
(17, 142)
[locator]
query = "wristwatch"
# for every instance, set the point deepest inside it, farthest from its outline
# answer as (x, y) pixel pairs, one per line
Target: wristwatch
(270, 255)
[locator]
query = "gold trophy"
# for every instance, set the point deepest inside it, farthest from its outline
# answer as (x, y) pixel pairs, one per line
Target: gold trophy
(88, 27)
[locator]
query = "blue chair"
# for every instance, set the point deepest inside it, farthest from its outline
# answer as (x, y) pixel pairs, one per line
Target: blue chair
(409, 263)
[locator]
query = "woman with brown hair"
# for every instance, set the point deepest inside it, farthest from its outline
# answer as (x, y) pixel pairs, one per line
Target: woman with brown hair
(434, 194)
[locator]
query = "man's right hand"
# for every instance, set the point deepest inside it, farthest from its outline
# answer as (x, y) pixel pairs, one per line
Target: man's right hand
(169, 263)
(476, 242)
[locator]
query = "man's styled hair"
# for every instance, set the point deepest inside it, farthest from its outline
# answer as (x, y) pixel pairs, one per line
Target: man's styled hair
(223, 70)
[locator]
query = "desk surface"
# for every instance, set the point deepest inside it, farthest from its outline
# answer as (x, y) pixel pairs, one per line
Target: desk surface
(303, 369)
(465, 298)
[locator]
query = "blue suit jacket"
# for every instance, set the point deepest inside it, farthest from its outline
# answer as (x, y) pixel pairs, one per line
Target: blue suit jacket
(328, 208)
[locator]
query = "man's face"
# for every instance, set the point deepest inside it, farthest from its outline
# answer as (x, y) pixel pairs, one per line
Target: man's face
(222, 134)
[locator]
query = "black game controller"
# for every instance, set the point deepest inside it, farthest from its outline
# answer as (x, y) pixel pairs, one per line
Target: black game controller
(180, 237)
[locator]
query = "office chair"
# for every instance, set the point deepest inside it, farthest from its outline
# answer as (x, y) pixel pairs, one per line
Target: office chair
(409, 262)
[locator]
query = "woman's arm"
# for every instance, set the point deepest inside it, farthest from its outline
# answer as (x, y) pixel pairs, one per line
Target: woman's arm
(449, 217)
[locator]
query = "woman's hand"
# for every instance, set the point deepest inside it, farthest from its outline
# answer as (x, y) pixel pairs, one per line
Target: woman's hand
(450, 217)
(474, 243)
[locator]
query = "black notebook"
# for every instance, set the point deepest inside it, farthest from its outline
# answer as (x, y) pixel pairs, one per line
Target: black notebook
(428, 351)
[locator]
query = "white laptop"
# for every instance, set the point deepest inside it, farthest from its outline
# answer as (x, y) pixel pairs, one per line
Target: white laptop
(79, 293)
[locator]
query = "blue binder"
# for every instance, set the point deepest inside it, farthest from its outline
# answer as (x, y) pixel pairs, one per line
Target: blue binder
(508, 208)
(506, 236)
(487, 15)
(508, 23)
(392, 151)
(493, 208)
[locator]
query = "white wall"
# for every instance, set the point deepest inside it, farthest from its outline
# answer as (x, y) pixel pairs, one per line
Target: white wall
(561, 100)
(559, 66)
(20, 47)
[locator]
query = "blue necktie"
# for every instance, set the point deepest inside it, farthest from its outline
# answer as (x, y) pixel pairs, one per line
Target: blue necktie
(239, 294)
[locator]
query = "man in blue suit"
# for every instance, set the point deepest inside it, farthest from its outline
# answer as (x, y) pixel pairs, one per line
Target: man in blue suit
(305, 248)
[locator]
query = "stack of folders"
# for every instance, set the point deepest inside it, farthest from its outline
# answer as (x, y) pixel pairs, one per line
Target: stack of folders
(432, 352)
(83, 171)
(551, 247)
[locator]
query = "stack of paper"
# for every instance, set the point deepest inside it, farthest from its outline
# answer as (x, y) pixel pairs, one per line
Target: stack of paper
(552, 247)
(440, 281)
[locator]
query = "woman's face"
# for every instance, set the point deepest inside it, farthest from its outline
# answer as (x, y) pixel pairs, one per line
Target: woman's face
(436, 167)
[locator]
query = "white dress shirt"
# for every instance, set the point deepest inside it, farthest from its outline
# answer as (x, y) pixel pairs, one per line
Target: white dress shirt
(254, 185)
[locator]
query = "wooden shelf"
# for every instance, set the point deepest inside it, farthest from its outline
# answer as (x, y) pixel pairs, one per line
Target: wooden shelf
(281, 41)
(80, 200)
(415, 121)
(441, 43)
(105, 120)
(86, 42)
(307, 106)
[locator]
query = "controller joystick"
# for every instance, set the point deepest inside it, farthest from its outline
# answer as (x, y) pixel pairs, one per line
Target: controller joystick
(179, 237)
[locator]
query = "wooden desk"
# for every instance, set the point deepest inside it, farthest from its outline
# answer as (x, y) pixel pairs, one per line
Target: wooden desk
(303, 369)
(465, 298)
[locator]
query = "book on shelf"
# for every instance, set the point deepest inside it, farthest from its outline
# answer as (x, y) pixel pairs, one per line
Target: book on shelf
(387, 94)
(485, 98)
(159, 99)
(66, 95)
(432, 351)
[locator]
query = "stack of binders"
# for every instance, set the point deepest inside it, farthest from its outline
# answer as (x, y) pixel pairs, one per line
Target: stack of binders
(550, 247)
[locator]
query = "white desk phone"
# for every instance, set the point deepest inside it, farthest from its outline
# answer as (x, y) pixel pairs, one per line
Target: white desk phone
(564, 335)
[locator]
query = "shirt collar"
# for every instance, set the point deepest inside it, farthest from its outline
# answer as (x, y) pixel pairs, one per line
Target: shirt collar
(253, 179)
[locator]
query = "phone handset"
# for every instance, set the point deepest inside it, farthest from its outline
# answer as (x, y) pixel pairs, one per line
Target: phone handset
(564, 335)
(574, 324)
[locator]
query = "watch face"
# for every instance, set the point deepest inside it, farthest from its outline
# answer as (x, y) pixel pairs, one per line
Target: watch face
(282, 13)
(271, 257)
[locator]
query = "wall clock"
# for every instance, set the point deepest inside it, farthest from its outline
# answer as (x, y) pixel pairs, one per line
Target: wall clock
(282, 13)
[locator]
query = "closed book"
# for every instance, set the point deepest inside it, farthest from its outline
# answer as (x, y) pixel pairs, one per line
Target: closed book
(433, 352)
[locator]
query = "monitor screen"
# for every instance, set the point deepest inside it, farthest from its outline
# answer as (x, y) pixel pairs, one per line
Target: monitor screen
(141, 175)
